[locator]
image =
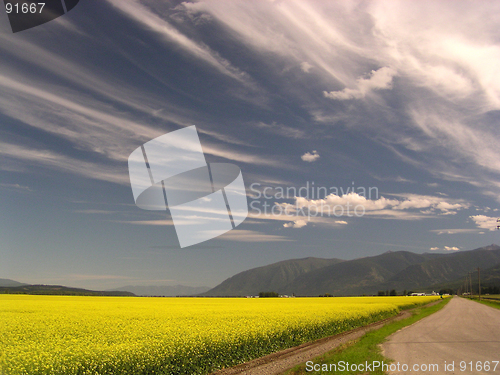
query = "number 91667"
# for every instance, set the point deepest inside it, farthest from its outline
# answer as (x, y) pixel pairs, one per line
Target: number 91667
(24, 7)
(478, 366)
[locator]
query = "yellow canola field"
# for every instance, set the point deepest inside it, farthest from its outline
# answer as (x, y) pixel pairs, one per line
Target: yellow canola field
(133, 335)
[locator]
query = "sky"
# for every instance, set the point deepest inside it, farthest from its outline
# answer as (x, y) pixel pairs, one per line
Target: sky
(392, 107)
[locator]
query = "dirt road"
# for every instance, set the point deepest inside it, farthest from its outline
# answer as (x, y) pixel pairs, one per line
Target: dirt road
(277, 363)
(463, 334)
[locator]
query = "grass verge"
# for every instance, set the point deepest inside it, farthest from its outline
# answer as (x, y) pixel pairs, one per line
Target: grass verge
(491, 303)
(365, 349)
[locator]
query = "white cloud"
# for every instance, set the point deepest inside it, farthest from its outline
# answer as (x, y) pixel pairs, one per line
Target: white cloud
(350, 199)
(446, 248)
(310, 157)
(407, 206)
(485, 222)
(442, 205)
(333, 208)
(306, 67)
(296, 224)
(453, 59)
(378, 80)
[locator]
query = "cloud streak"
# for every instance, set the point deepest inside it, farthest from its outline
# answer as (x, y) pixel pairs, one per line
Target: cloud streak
(62, 163)
(146, 17)
(380, 79)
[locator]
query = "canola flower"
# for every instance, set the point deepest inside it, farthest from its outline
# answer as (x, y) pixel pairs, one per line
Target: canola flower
(69, 335)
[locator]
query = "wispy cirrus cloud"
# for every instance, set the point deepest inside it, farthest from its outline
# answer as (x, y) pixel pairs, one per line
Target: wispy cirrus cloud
(282, 130)
(455, 231)
(16, 187)
(91, 126)
(298, 32)
(86, 123)
(62, 163)
(442, 73)
(148, 18)
(97, 82)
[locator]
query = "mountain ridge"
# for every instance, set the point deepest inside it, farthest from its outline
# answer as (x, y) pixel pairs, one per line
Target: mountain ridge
(10, 283)
(59, 290)
(367, 275)
(271, 277)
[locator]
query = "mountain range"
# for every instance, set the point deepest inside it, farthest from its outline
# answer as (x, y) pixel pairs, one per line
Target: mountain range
(400, 270)
(58, 290)
(15, 287)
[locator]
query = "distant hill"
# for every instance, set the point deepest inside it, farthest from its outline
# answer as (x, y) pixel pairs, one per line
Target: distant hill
(445, 269)
(164, 291)
(274, 277)
(392, 270)
(58, 290)
(490, 277)
(8, 283)
(358, 276)
(13, 287)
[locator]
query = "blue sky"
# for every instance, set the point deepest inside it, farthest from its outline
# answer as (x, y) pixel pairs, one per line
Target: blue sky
(400, 96)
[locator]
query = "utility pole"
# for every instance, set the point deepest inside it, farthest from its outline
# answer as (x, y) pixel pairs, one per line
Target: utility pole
(479, 282)
(470, 283)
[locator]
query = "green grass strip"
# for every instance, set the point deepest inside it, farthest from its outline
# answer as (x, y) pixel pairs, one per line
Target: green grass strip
(366, 349)
(491, 303)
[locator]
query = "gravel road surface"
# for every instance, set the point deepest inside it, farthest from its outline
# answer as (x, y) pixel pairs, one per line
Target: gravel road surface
(463, 334)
